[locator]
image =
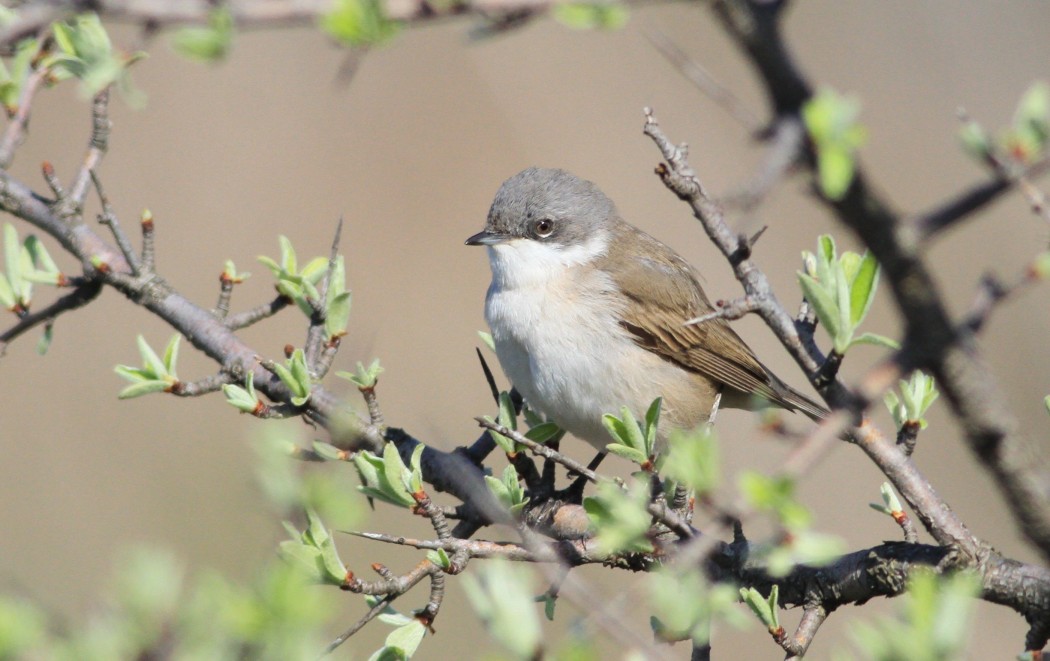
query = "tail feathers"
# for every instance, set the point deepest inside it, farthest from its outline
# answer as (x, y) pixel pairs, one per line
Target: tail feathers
(793, 400)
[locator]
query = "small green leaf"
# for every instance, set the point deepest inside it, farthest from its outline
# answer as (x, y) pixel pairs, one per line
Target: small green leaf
(358, 22)
(652, 421)
(306, 559)
(440, 558)
(543, 432)
(831, 120)
(628, 453)
(766, 610)
(823, 303)
(44, 343)
(206, 44)
(620, 518)
(337, 316)
(502, 598)
(142, 388)
(693, 459)
(406, 638)
(150, 360)
(7, 294)
(876, 340)
(975, 140)
(862, 288)
(486, 339)
(591, 15)
(171, 354)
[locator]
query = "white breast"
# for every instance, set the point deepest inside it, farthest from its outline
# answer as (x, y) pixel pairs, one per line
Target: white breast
(556, 328)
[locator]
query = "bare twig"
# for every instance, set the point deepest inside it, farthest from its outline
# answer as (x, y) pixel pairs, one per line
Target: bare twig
(692, 71)
(100, 126)
(108, 218)
(248, 317)
(538, 448)
(79, 297)
(16, 131)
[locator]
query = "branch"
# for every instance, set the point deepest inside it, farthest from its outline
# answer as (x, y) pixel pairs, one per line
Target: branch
(77, 298)
(932, 340)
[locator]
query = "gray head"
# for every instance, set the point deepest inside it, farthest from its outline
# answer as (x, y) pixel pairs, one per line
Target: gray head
(547, 205)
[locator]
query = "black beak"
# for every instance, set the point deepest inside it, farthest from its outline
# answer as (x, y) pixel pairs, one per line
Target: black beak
(486, 238)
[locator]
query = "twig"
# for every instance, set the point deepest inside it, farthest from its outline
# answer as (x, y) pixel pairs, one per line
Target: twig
(256, 314)
(538, 448)
(374, 612)
(729, 310)
(79, 297)
(203, 386)
(692, 71)
(108, 218)
(316, 334)
(147, 261)
(796, 646)
(16, 131)
(100, 127)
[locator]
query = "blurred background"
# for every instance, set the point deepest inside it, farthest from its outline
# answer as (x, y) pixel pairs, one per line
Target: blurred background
(410, 152)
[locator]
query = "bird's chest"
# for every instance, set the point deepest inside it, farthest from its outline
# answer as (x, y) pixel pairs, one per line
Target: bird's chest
(559, 340)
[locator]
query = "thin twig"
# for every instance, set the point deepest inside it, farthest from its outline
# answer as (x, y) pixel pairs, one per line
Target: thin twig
(692, 71)
(100, 127)
(538, 448)
(16, 131)
(265, 311)
(79, 297)
(108, 218)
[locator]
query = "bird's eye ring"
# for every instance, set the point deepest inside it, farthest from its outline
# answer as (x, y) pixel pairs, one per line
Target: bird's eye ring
(543, 228)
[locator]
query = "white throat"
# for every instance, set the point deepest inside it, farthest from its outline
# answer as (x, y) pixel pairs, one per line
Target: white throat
(525, 262)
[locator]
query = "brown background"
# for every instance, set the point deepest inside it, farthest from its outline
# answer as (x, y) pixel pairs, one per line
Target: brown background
(410, 153)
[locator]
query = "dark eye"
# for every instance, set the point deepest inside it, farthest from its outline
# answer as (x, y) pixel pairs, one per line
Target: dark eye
(543, 228)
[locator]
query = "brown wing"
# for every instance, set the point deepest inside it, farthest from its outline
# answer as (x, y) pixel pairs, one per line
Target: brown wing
(671, 293)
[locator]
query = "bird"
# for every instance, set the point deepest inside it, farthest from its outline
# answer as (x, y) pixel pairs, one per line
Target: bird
(588, 314)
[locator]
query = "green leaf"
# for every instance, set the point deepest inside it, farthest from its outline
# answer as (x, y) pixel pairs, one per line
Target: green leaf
(862, 288)
(143, 388)
(501, 596)
(823, 303)
(288, 261)
(625, 430)
(652, 421)
(876, 340)
(766, 610)
(831, 120)
(337, 317)
(486, 339)
(440, 558)
(7, 294)
(150, 360)
(206, 44)
(364, 377)
(591, 15)
(44, 343)
(358, 23)
(171, 354)
(393, 471)
(693, 459)
(407, 637)
(620, 518)
(628, 453)
(40, 257)
(1033, 113)
(975, 140)
(306, 559)
(543, 432)
(13, 262)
